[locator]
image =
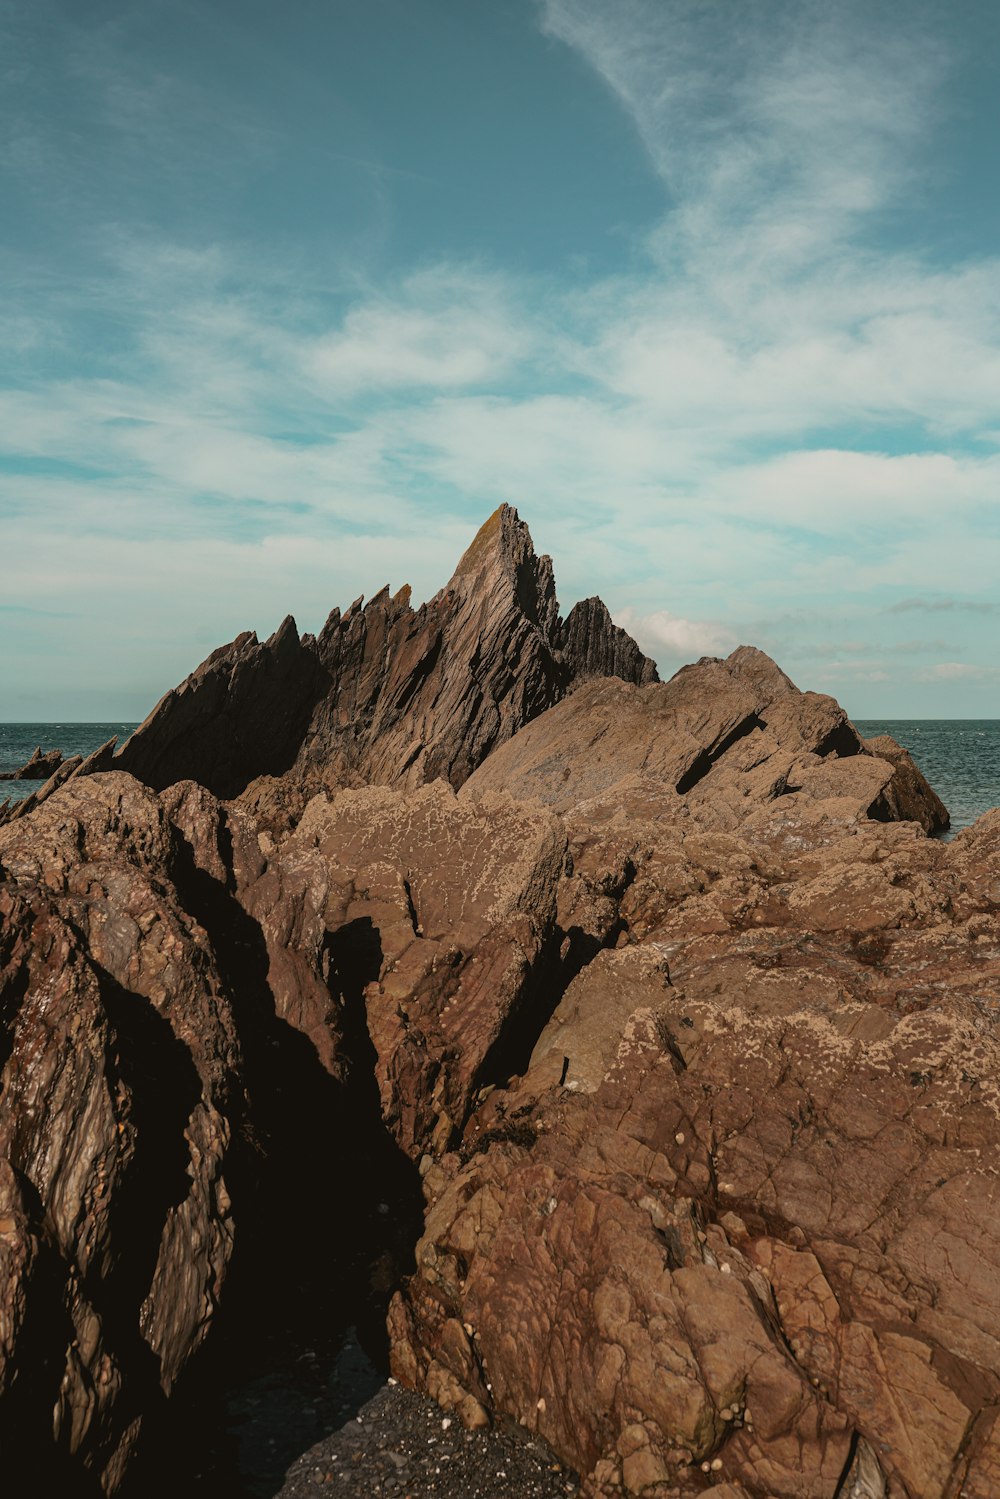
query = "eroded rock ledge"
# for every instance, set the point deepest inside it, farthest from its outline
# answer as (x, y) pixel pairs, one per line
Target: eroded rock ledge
(658, 994)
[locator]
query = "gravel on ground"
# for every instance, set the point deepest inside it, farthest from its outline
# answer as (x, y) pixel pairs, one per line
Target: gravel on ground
(403, 1446)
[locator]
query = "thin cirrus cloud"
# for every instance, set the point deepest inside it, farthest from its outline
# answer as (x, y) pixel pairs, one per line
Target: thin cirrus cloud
(780, 404)
(959, 671)
(945, 606)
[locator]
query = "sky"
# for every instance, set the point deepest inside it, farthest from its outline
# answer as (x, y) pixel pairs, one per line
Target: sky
(292, 297)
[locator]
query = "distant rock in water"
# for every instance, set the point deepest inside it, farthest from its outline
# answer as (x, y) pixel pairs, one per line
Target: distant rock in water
(386, 693)
(41, 765)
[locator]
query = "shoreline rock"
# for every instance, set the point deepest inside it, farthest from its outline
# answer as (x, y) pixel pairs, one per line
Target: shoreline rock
(41, 765)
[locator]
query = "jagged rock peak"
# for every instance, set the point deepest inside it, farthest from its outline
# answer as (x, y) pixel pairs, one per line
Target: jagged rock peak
(387, 694)
(595, 646)
(501, 564)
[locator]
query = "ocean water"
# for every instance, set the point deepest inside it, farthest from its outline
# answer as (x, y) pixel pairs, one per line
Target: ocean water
(18, 741)
(959, 756)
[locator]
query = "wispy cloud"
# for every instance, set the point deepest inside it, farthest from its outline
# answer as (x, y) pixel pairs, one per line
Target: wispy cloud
(958, 671)
(787, 124)
(944, 606)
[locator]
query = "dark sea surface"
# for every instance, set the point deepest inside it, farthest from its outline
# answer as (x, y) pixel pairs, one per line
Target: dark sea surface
(959, 756)
(18, 741)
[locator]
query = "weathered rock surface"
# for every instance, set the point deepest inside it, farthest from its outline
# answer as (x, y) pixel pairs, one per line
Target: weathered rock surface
(596, 647)
(756, 1239)
(430, 922)
(723, 736)
(241, 714)
(386, 693)
(739, 1221)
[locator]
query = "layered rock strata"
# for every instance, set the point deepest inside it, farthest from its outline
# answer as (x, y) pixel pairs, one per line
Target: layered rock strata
(737, 1224)
(726, 736)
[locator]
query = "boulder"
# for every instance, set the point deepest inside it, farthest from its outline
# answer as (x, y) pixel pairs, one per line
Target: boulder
(428, 923)
(754, 1128)
(755, 1244)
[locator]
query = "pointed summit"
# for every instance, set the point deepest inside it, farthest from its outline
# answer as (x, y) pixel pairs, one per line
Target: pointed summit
(502, 566)
(501, 545)
(500, 536)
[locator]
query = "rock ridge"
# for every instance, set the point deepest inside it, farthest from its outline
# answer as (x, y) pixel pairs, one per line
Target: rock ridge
(387, 693)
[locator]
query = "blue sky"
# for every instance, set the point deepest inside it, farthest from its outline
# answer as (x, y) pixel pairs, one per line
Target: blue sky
(293, 297)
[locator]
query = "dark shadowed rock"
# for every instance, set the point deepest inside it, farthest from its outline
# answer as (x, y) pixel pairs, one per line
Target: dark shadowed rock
(908, 794)
(427, 921)
(121, 1085)
(241, 714)
(595, 647)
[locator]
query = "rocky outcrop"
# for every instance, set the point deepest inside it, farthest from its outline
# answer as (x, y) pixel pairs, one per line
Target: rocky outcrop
(39, 767)
(718, 740)
(738, 1221)
(243, 713)
(386, 693)
(757, 1249)
(661, 989)
(596, 647)
(908, 794)
(429, 923)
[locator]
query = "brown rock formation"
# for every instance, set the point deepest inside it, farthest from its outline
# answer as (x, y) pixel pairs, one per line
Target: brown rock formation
(740, 1217)
(688, 1024)
(241, 714)
(386, 693)
(432, 920)
(596, 647)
